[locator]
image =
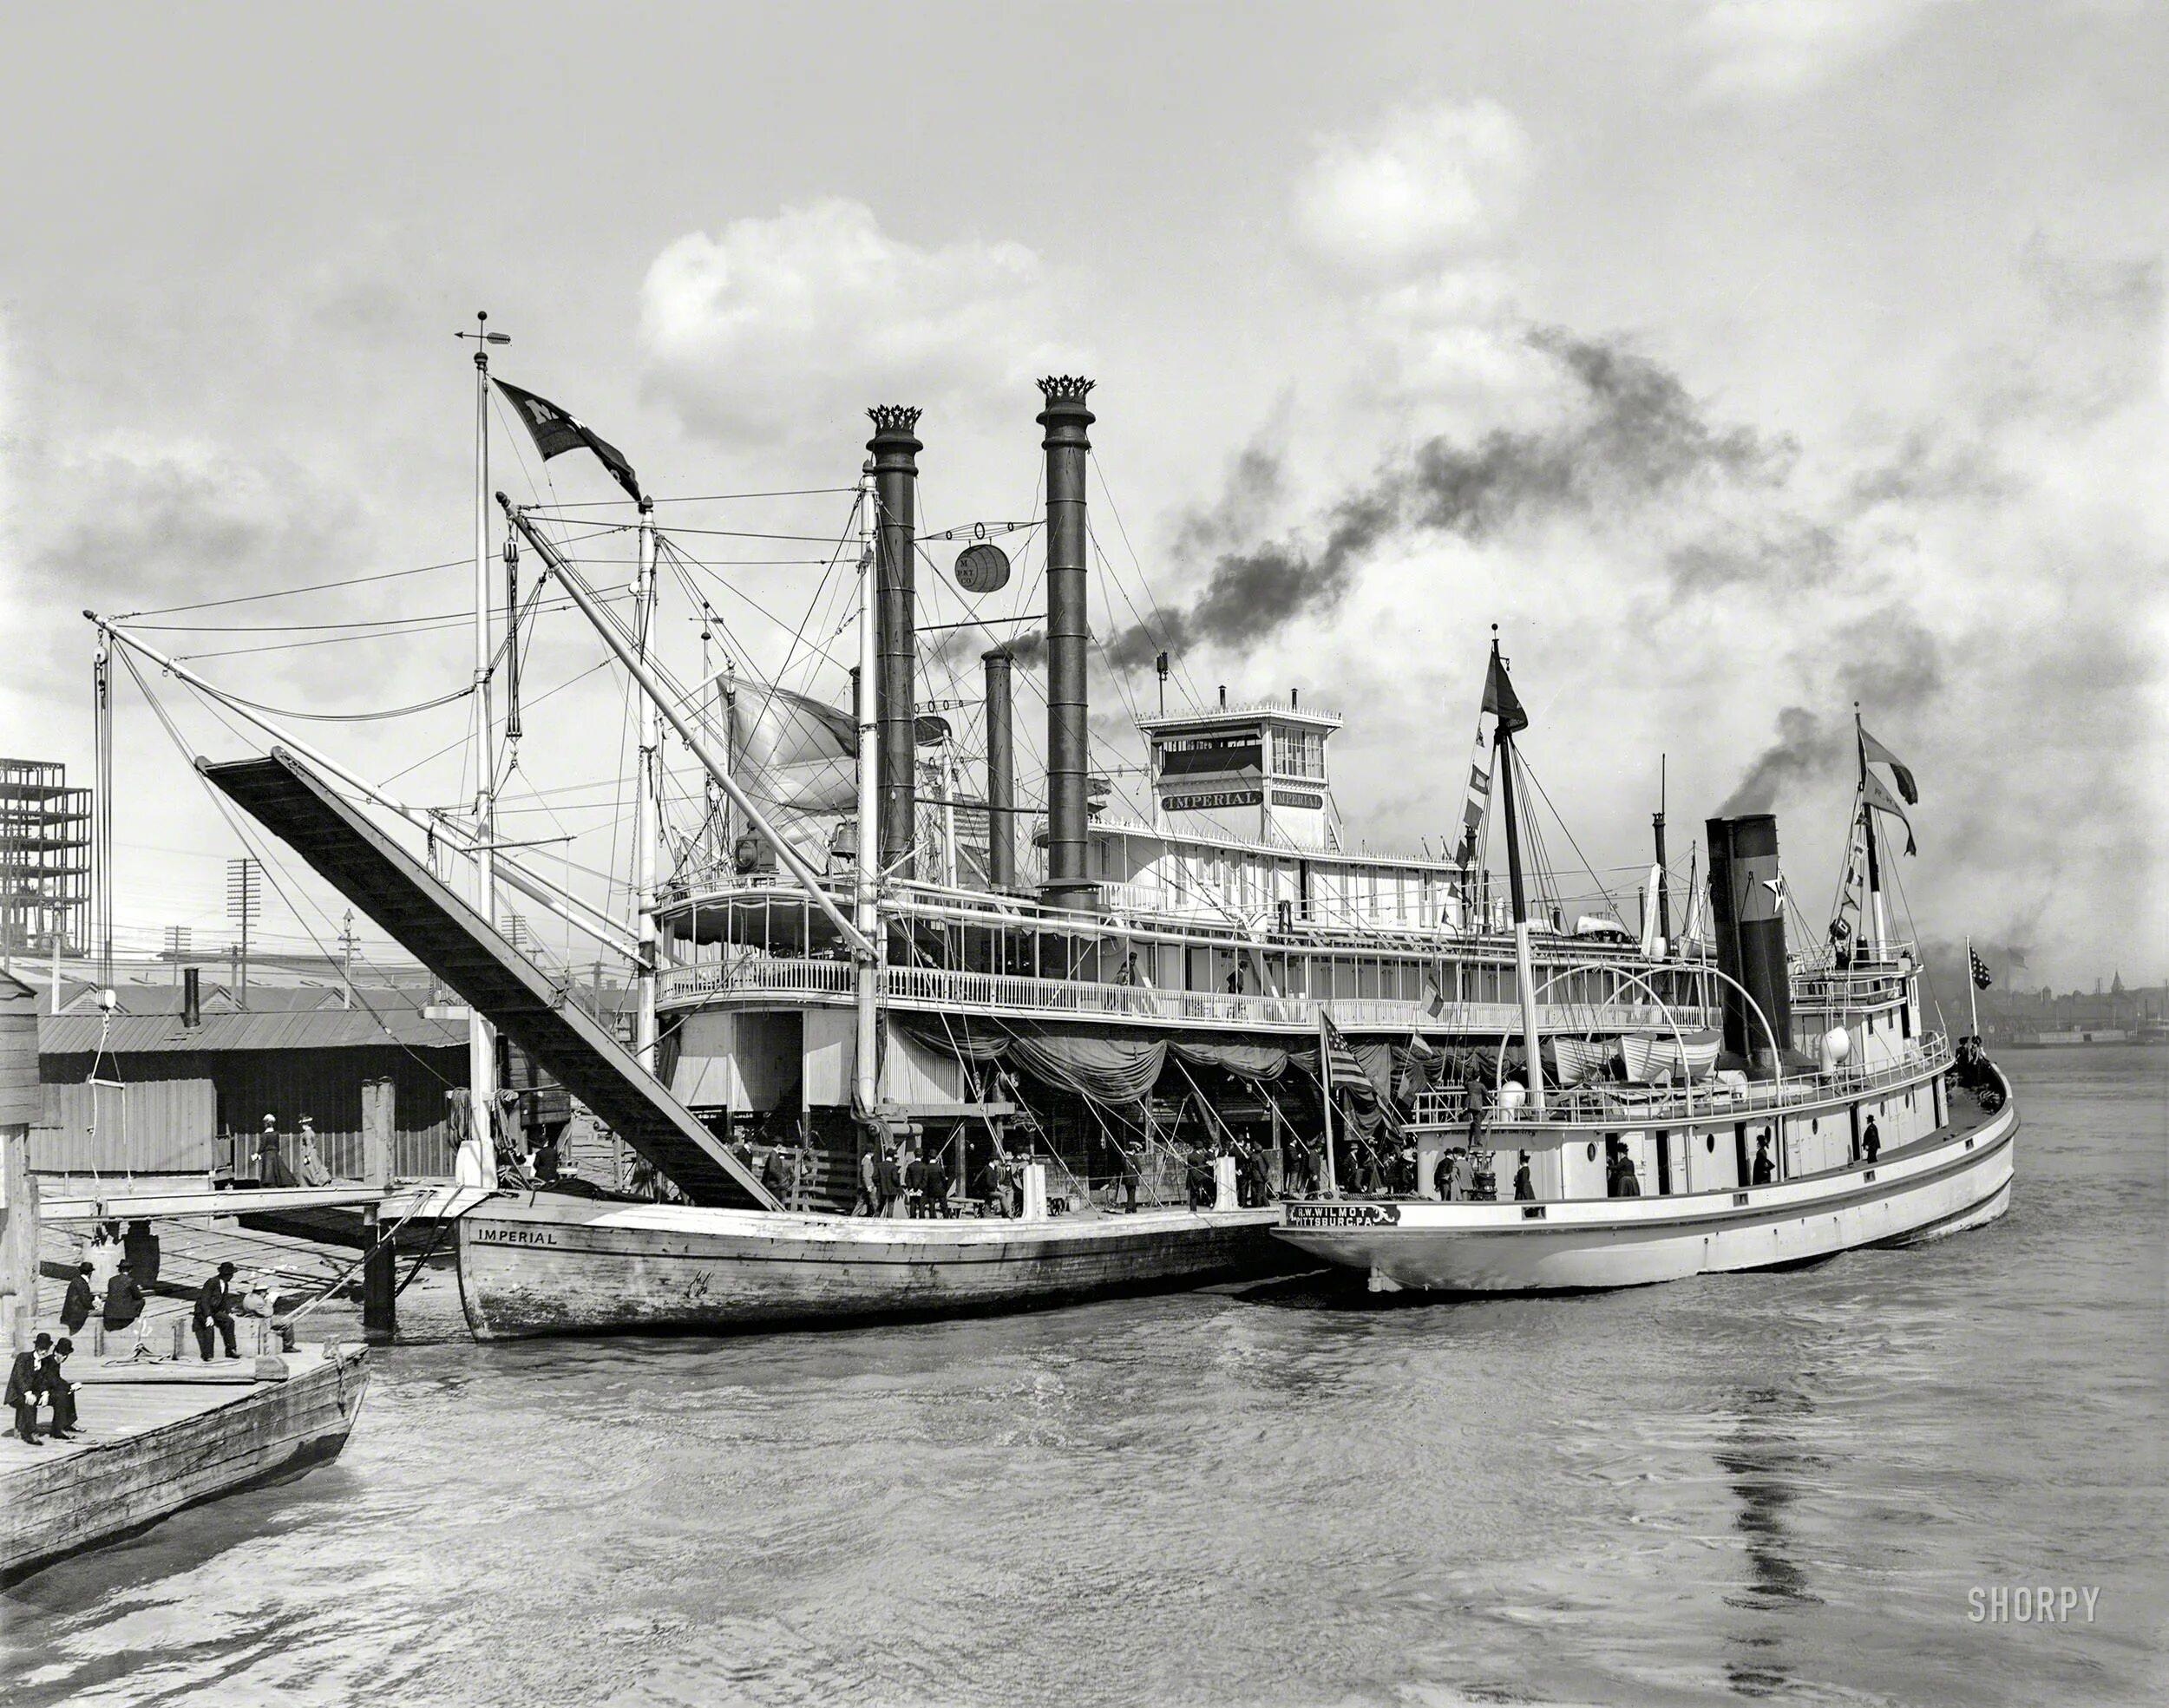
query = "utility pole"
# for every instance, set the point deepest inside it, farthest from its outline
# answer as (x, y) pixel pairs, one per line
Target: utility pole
(346, 961)
(244, 900)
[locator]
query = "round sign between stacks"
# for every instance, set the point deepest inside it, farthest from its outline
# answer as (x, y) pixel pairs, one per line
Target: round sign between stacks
(982, 567)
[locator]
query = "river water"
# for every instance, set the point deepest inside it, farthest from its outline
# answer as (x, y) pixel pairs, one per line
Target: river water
(1771, 1486)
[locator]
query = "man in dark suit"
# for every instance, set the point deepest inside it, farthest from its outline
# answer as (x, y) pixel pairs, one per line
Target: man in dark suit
(214, 1308)
(1524, 1189)
(60, 1392)
(124, 1300)
(76, 1309)
(1871, 1140)
(26, 1387)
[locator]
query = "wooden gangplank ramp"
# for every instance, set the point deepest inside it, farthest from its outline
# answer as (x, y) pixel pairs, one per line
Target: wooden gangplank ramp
(469, 954)
(160, 1437)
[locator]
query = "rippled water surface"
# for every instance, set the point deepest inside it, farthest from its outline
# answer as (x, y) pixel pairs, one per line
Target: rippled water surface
(1775, 1486)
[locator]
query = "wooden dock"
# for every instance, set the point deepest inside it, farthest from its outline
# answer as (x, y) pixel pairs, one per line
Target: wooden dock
(162, 1434)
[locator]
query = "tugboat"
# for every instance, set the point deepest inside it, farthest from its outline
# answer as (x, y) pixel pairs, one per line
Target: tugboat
(1832, 1118)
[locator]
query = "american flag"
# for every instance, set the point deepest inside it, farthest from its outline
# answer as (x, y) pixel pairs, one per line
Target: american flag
(1343, 1072)
(1982, 979)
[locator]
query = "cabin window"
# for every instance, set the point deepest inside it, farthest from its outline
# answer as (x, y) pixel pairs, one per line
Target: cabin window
(1709, 1143)
(1592, 1150)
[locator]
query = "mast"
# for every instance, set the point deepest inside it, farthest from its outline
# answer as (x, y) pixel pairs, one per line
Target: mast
(1664, 877)
(477, 1161)
(866, 894)
(1874, 920)
(1524, 970)
(1973, 987)
(644, 808)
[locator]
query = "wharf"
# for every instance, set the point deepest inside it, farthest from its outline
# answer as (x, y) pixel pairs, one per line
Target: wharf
(161, 1434)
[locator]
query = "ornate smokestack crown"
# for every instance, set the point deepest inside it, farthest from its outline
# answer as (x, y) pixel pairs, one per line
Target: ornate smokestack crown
(1065, 416)
(895, 447)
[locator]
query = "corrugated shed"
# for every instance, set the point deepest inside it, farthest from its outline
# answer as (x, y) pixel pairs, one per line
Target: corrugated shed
(288, 1083)
(20, 1100)
(157, 1127)
(129, 1034)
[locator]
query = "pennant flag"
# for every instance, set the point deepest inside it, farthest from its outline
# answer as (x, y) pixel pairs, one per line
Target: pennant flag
(1479, 795)
(1498, 697)
(1342, 1071)
(1875, 754)
(1882, 800)
(555, 433)
(1981, 979)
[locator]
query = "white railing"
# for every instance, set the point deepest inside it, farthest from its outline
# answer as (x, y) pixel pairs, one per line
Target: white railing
(1620, 1106)
(1021, 993)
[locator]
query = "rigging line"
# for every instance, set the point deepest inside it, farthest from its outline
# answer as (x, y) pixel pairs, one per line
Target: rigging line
(736, 591)
(355, 717)
(1563, 826)
(753, 533)
(432, 626)
(267, 863)
(709, 497)
(525, 703)
(290, 592)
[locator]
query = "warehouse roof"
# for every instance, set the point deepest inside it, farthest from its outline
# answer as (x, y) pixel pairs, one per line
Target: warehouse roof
(133, 1034)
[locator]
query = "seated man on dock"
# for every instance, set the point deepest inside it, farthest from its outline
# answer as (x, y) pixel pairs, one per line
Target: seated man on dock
(124, 1302)
(26, 1387)
(81, 1300)
(215, 1306)
(60, 1392)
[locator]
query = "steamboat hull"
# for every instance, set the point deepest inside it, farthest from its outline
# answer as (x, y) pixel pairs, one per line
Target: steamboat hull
(1933, 1189)
(539, 1267)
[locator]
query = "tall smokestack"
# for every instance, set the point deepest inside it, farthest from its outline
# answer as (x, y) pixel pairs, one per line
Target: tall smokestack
(1001, 776)
(1065, 419)
(191, 997)
(895, 450)
(1748, 914)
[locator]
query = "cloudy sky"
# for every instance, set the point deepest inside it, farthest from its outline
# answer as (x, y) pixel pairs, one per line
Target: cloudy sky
(1740, 360)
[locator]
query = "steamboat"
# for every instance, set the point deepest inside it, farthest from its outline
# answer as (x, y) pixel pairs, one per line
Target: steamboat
(1104, 1040)
(1844, 1120)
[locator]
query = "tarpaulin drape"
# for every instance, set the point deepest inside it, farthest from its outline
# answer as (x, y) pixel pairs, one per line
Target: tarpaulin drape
(1108, 1071)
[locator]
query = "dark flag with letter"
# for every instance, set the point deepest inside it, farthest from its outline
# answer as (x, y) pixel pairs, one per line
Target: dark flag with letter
(1499, 698)
(1874, 753)
(1982, 979)
(555, 433)
(1882, 800)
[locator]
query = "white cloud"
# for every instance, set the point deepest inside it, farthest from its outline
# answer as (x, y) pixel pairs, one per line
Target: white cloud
(1428, 182)
(773, 327)
(1760, 48)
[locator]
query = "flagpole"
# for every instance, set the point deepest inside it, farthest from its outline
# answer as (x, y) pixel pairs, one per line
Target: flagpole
(644, 793)
(1325, 1093)
(1973, 987)
(477, 1160)
(1867, 824)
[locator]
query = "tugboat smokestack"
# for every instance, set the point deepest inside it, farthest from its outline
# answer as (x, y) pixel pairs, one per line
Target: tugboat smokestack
(1747, 911)
(895, 450)
(1001, 775)
(1066, 444)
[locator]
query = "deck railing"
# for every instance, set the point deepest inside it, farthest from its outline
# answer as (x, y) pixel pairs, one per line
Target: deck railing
(1019, 993)
(1618, 1107)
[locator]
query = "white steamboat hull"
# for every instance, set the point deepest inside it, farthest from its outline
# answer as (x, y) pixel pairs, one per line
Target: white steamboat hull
(1935, 1189)
(544, 1266)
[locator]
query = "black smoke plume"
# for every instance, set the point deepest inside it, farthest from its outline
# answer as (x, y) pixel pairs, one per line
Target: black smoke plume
(1634, 433)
